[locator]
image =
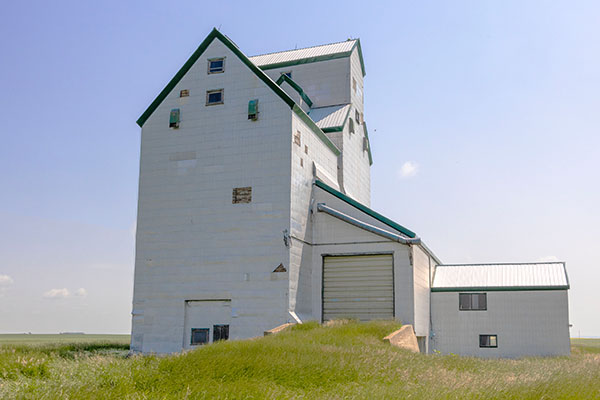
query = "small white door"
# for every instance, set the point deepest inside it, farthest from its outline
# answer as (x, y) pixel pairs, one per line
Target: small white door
(358, 286)
(206, 320)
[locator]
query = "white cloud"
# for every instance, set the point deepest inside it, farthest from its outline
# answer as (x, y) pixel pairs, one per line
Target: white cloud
(408, 169)
(548, 259)
(6, 280)
(81, 292)
(57, 294)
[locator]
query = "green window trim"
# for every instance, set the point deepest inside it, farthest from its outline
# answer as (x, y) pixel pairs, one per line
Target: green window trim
(365, 209)
(215, 34)
(296, 87)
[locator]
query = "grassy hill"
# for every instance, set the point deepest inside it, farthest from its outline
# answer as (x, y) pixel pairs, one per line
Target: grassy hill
(309, 361)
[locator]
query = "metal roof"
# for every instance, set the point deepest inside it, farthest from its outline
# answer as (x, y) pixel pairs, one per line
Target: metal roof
(308, 52)
(530, 276)
(330, 116)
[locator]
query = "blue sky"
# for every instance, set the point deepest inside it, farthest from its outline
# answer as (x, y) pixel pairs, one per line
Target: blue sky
(483, 117)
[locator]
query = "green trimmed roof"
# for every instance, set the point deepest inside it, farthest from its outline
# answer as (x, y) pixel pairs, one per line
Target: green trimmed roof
(365, 209)
(296, 87)
(307, 55)
(215, 34)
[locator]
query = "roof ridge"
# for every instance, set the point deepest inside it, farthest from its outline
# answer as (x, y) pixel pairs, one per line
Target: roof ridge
(488, 264)
(303, 48)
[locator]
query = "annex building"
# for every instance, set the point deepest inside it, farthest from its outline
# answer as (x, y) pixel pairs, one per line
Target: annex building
(254, 210)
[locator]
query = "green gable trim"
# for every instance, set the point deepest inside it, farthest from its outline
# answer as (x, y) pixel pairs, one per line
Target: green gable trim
(326, 57)
(365, 209)
(368, 143)
(498, 288)
(215, 34)
(311, 124)
(296, 87)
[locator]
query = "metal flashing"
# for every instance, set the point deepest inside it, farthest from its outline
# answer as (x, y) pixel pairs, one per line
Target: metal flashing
(365, 209)
(296, 87)
(498, 288)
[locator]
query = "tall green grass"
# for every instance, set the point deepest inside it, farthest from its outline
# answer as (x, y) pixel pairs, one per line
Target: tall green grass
(308, 361)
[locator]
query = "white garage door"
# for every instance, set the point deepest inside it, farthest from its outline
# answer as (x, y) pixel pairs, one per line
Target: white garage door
(360, 286)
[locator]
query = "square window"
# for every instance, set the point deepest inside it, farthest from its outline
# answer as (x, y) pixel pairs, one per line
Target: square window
(216, 65)
(199, 336)
(220, 332)
(472, 301)
(489, 341)
(214, 97)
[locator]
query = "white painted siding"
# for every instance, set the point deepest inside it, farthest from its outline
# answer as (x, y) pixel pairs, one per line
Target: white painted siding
(528, 323)
(421, 267)
(311, 149)
(192, 242)
(325, 82)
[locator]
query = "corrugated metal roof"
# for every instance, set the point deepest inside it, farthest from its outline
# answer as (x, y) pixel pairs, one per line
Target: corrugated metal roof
(330, 116)
(299, 54)
(501, 276)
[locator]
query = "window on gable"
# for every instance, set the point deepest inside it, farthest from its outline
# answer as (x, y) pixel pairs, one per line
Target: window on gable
(199, 336)
(488, 340)
(220, 332)
(253, 110)
(472, 301)
(351, 125)
(174, 118)
(214, 97)
(216, 65)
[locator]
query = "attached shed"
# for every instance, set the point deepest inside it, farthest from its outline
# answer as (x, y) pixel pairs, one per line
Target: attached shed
(501, 310)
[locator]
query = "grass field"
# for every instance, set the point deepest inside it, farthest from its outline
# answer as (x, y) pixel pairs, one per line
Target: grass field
(34, 340)
(308, 361)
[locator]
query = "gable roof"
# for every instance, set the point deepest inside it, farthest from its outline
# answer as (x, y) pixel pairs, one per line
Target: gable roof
(309, 55)
(496, 277)
(406, 232)
(215, 34)
(330, 118)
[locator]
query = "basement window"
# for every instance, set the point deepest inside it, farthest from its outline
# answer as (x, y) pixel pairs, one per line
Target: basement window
(214, 97)
(220, 332)
(199, 336)
(241, 195)
(216, 65)
(488, 341)
(472, 301)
